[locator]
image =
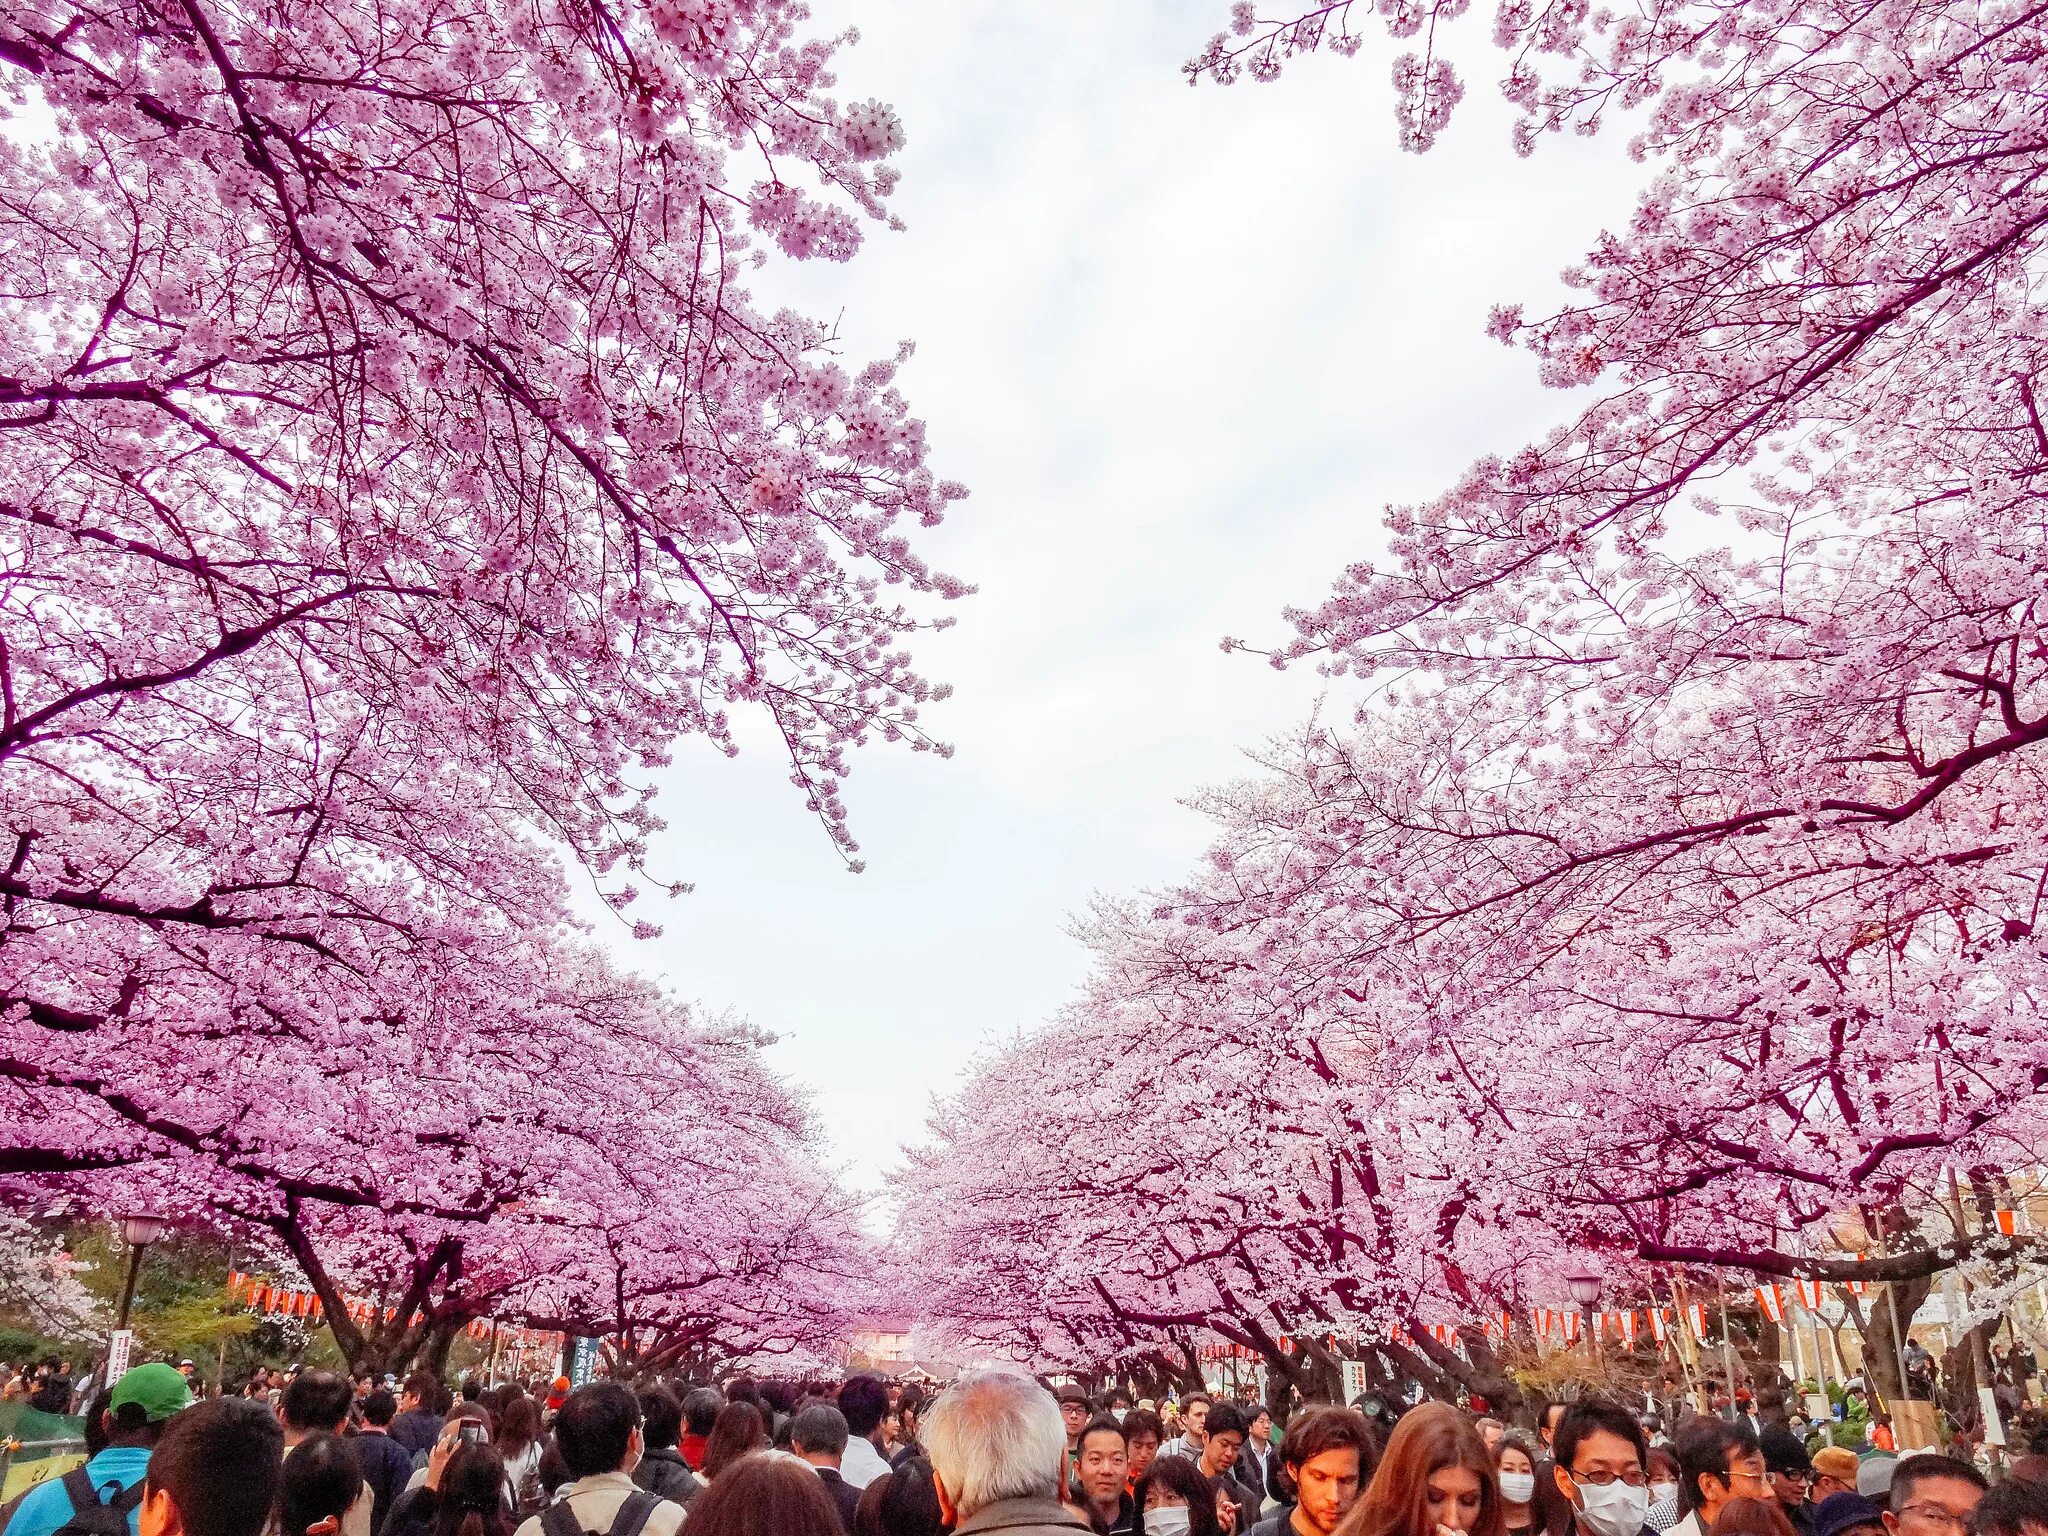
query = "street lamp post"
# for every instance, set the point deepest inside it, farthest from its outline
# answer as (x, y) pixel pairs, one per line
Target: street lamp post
(1585, 1288)
(138, 1232)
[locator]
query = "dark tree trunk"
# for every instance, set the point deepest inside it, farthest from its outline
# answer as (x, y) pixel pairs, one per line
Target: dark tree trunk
(1881, 1341)
(1965, 1368)
(440, 1339)
(1319, 1374)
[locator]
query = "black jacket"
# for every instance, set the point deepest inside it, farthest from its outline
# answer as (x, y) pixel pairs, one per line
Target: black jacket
(386, 1467)
(1125, 1522)
(1251, 1472)
(412, 1513)
(1553, 1509)
(416, 1431)
(844, 1495)
(666, 1473)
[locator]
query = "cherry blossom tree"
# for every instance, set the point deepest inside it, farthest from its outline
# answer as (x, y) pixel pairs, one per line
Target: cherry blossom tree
(1179, 1163)
(400, 464)
(39, 1283)
(1673, 892)
(584, 1147)
(1711, 724)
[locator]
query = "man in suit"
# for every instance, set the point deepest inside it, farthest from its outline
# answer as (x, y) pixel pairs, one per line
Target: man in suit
(1257, 1454)
(819, 1434)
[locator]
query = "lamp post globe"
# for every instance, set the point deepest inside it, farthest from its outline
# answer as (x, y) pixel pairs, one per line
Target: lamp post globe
(1585, 1286)
(138, 1232)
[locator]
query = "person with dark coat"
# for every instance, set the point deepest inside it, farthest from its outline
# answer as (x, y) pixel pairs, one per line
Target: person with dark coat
(387, 1465)
(1790, 1470)
(662, 1469)
(1552, 1507)
(1224, 1439)
(418, 1423)
(1601, 1464)
(1098, 1484)
(819, 1435)
(1324, 1463)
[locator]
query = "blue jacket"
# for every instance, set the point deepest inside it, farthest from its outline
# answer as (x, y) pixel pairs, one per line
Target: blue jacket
(114, 1471)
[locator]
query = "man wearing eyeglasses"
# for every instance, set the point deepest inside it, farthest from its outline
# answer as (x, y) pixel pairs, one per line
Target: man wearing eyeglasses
(1933, 1496)
(1718, 1460)
(1791, 1474)
(1600, 1456)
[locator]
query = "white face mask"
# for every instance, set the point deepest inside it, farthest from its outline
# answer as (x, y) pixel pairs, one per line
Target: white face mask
(1616, 1510)
(1169, 1521)
(1518, 1487)
(1663, 1493)
(1118, 1414)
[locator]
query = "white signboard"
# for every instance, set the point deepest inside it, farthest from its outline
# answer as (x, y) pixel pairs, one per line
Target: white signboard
(1994, 1425)
(1354, 1380)
(119, 1348)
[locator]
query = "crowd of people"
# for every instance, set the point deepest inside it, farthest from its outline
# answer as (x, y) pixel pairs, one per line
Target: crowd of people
(995, 1451)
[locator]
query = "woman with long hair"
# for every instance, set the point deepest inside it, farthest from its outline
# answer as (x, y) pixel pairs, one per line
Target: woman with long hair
(904, 1502)
(1436, 1479)
(453, 1479)
(519, 1443)
(764, 1493)
(737, 1431)
(909, 1415)
(1175, 1499)
(471, 1498)
(321, 1480)
(1514, 1461)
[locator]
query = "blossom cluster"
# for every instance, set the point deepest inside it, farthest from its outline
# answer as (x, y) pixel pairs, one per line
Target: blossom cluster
(399, 467)
(1674, 885)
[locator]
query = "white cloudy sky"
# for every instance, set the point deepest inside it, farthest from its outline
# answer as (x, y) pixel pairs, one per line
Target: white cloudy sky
(1184, 345)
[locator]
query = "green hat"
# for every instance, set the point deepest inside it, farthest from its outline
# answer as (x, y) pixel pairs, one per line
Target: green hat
(159, 1390)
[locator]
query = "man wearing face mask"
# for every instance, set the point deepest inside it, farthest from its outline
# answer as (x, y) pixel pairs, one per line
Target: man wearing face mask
(1602, 1469)
(598, 1433)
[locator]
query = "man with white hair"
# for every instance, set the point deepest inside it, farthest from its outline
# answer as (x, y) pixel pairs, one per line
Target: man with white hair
(998, 1449)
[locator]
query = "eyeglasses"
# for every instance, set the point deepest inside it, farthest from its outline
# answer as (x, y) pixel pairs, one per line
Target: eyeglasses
(1634, 1477)
(1934, 1514)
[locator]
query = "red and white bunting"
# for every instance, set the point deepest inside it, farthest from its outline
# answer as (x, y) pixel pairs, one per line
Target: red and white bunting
(1809, 1294)
(1696, 1314)
(1771, 1298)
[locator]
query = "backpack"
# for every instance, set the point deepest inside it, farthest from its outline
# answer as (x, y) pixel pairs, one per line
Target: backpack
(89, 1517)
(529, 1498)
(560, 1520)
